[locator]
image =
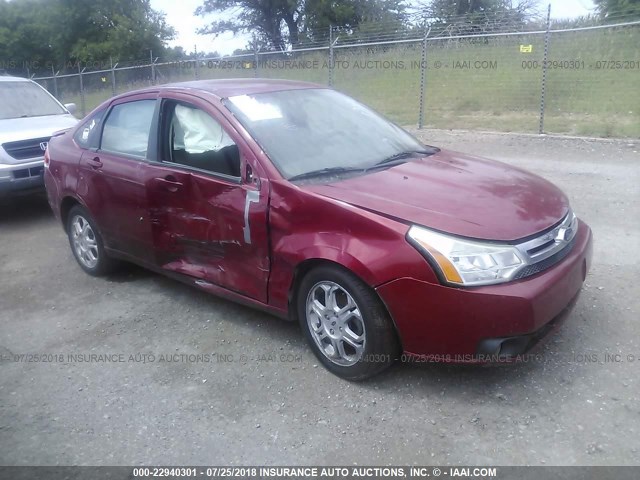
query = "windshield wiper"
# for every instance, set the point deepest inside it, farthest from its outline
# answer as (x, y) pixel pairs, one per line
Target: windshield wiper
(398, 157)
(387, 162)
(325, 171)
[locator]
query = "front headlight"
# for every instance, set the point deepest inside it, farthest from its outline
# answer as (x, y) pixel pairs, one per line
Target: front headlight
(466, 262)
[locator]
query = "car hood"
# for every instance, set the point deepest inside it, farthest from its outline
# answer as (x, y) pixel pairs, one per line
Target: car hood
(458, 194)
(16, 129)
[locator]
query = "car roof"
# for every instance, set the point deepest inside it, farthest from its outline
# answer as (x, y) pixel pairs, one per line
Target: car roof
(230, 87)
(7, 78)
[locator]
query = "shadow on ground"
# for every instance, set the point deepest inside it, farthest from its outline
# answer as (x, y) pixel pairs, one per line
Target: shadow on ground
(20, 210)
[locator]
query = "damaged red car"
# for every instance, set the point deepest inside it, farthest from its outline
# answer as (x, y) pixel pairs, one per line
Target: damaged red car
(298, 200)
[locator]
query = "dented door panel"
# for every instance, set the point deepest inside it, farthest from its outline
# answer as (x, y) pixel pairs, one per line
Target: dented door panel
(209, 226)
(201, 230)
(228, 235)
(168, 209)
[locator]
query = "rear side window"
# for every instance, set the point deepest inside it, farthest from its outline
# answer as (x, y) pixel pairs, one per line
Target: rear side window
(126, 129)
(87, 135)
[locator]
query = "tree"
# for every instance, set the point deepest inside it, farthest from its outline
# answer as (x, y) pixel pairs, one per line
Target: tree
(619, 9)
(65, 32)
(262, 17)
(24, 33)
(122, 29)
(351, 14)
(446, 9)
(279, 23)
(474, 16)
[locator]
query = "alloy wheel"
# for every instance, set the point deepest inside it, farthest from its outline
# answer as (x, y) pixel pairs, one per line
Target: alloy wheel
(84, 241)
(335, 322)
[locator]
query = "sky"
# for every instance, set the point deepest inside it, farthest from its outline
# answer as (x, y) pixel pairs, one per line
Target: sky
(180, 16)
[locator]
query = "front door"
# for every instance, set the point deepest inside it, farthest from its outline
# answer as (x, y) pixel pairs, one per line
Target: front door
(207, 219)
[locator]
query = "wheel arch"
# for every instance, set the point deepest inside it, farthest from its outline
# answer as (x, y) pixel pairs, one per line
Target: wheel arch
(309, 264)
(330, 257)
(299, 273)
(66, 205)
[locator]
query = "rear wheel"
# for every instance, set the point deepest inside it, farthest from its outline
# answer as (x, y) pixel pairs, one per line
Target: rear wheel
(345, 323)
(86, 243)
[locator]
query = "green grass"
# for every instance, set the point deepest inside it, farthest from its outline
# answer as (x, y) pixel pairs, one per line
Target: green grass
(585, 101)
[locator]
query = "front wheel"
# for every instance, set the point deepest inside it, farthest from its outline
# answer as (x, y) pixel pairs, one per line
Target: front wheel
(345, 323)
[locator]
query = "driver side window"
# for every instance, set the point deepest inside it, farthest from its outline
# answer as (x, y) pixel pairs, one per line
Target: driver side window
(195, 139)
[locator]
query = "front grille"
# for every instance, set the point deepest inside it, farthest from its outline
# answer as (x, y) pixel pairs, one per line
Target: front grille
(28, 172)
(25, 149)
(546, 263)
(542, 247)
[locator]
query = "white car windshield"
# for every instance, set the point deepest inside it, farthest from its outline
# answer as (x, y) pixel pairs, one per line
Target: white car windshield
(26, 99)
(320, 130)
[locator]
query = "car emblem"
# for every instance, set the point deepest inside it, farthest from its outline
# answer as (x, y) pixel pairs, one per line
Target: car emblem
(564, 234)
(44, 145)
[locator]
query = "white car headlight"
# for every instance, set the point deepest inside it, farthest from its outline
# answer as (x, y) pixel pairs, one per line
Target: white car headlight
(467, 262)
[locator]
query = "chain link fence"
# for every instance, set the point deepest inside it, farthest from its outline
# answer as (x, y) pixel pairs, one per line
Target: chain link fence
(579, 81)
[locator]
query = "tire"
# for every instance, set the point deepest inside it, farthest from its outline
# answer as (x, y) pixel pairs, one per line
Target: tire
(86, 243)
(359, 320)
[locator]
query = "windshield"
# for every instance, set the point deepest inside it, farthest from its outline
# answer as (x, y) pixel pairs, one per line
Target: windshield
(319, 130)
(26, 99)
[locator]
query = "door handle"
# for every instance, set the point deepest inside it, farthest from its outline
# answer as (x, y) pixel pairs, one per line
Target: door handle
(94, 163)
(169, 183)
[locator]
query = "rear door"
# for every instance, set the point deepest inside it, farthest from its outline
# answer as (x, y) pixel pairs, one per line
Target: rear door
(112, 183)
(207, 208)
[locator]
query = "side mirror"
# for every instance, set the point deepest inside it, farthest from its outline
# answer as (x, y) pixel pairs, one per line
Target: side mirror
(71, 107)
(250, 178)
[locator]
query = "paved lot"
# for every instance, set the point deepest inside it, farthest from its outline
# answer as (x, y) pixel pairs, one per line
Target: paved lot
(573, 406)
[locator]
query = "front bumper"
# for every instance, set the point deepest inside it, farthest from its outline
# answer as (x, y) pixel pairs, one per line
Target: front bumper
(21, 178)
(462, 323)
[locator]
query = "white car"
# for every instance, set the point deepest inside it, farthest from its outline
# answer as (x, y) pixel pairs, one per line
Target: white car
(29, 115)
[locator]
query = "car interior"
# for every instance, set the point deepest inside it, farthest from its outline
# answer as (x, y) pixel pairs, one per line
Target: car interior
(198, 141)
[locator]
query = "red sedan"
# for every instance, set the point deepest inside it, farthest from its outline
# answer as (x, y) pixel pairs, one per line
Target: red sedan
(298, 200)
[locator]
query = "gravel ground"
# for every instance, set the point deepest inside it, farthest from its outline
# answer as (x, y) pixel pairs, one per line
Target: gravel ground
(263, 399)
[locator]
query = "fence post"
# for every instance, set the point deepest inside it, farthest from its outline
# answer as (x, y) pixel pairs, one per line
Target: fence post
(113, 77)
(331, 55)
(55, 82)
(83, 107)
(153, 68)
(195, 54)
(423, 78)
(255, 57)
(544, 70)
